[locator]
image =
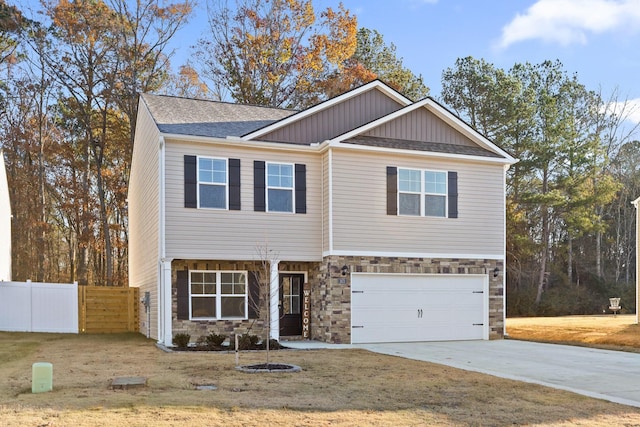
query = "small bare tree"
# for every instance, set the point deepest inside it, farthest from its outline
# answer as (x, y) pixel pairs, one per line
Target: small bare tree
(267, 290)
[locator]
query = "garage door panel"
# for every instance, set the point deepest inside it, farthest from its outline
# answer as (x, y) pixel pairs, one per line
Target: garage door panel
(398, 314)
(404, 308)
(435, 331)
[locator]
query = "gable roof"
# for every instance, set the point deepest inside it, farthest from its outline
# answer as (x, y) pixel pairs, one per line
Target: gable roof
(373, 85)
(485, 148)
(205, 118)
(197, 117)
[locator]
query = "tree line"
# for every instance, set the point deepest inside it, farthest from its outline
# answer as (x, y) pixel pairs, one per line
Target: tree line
(68, 99)
(570, 227)
(71, 75)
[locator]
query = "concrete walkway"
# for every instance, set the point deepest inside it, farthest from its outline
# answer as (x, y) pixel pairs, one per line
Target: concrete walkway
(603, 374)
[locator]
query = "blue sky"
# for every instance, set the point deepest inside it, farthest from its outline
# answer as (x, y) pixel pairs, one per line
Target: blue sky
(597, 39)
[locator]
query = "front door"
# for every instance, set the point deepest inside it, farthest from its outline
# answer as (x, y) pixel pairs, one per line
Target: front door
(291, 304)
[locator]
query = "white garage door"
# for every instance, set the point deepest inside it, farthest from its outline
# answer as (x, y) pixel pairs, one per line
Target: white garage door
(408, 307)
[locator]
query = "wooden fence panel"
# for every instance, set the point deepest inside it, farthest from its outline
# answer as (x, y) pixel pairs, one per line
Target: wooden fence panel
(107, 310)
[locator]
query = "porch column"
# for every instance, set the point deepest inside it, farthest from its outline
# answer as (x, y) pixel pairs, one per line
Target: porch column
(274, 303)
(165, 333)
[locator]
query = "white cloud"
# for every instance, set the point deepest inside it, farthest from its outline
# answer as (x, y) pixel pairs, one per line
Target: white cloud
(571, 21)
(629, 109)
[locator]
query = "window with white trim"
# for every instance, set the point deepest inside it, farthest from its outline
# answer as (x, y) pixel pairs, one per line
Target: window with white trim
(422, 192)
(215, 295)
(212, 183)
(280, 187)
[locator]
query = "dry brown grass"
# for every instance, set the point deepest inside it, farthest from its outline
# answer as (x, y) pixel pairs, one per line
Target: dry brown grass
(614, 333)
(336, 387)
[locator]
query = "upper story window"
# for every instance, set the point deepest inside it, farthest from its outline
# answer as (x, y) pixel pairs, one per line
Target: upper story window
(435, 193)
(422, 192)
(212, 183)
(279, 187)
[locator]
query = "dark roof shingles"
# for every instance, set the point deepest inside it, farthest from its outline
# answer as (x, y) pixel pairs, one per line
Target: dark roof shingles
(435, 147)
(196, 117)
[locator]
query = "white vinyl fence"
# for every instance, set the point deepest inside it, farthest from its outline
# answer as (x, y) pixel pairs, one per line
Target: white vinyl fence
(38, 307)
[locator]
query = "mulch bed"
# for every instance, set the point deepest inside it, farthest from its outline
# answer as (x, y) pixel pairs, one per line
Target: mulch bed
(259, 346)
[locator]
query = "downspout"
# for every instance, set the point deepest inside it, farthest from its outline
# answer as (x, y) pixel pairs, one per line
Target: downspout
(164, 282)
(322, 240)
(330, 195)
(504, 252)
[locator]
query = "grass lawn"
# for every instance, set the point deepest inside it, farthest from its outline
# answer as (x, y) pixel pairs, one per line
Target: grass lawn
(608, 332)
(336, 387)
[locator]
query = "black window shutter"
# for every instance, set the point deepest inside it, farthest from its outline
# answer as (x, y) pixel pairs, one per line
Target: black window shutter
(392, 190)
(259, 204)
(182, 286)
(453, 194)
(301, 189)
(234, 184)
(254, 294)
(190, 182)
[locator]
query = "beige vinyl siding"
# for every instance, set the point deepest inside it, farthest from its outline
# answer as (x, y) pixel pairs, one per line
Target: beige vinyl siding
(360, 221)
(420, 125)
(325, 201)
(337, 119)
(236, 235)
(144, 215)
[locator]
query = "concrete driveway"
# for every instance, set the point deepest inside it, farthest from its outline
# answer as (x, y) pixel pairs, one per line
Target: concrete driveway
(603, 374)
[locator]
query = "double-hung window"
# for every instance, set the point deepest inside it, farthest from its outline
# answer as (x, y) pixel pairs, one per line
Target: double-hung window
(212, 183)
(435, 193)
(422, 192)
(280, 194)
(218, 295)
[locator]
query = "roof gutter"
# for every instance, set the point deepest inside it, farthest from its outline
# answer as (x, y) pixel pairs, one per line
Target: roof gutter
(239, 142)
(320, 147)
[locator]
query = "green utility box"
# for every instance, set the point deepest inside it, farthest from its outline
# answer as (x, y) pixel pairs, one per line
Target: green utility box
(41, 377)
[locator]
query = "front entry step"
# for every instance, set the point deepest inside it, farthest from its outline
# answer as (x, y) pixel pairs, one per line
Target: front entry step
(292, 338)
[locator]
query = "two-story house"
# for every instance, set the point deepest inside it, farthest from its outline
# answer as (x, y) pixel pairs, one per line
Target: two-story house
(381, 219)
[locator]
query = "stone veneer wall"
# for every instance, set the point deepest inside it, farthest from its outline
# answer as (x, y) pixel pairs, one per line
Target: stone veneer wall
(331, 298)
(331, 291)
(197, 328)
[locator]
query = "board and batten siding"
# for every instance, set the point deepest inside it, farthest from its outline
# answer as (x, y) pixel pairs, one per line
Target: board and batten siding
(144, 215)
(361, 223)
(420, 125)
(337, 119)
(238, 234)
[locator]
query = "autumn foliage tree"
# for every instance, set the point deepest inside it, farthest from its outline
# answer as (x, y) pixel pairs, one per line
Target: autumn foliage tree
(374, 59)
(68, 131)
(11, 21)
(274, 52)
